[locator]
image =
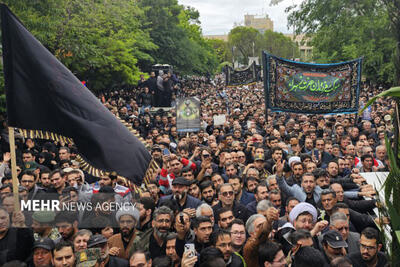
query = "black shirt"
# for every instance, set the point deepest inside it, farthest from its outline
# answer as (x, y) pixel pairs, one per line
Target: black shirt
(155, 250)
(358, 261)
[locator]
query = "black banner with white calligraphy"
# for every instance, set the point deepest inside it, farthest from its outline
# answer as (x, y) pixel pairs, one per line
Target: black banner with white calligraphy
(311, 88)
(241, 77)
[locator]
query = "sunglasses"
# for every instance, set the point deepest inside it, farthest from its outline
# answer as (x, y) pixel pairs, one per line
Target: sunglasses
(206, 155)
(228, 193)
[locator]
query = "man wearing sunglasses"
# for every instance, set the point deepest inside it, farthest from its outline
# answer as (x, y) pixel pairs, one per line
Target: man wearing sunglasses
(226, 197)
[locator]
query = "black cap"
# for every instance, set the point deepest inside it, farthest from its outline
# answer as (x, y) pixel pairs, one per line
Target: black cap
(45, 243)
(95, 240)
(155, 147)
(334, 239)
(181, 181)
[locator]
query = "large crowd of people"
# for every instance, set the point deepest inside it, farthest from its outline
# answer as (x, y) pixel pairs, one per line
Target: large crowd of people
(252, 190)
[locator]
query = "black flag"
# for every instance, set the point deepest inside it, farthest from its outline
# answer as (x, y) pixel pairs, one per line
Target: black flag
(45, 100)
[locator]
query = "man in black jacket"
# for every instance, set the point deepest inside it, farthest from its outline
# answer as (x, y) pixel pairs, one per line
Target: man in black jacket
(16, 242)
(227, 199)
(221, 239)
(369, 254)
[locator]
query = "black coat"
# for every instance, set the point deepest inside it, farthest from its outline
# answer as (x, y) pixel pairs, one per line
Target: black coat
(239, 211)
(17, 244)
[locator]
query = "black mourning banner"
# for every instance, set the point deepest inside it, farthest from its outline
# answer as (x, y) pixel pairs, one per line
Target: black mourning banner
(241, 77)
(45, 100)
(311, 88)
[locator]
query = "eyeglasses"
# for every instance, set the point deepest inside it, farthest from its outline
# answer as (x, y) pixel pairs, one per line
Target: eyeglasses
(238, 233)
(369, 248)
(228, 193)
(206, 155)
(27, 182)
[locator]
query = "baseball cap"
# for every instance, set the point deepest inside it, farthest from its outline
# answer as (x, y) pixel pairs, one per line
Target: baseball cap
(44, 216)
(334, 239)
(88, 257)
(259, 157)
(387, 117)
(30, 166)
(45, 243)
(96, 240)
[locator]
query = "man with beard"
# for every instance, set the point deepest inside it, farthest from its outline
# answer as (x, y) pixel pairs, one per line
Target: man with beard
(333, 245)
(322, 178)
(122, 193)
(171, 249)
(146, 207)
(203, 228)
(308, 192)
(225, 217)
(328, 200)
(241, 195)
(67, 225)
(207, 192)
(154, 239)
(42, 222)
(186, 203)
(261, 193)
(221, 239)
(154, 191)
(121, 244)
(156, 153)
(369, 254)
(106, 260)
(297, 171)
(63, 254)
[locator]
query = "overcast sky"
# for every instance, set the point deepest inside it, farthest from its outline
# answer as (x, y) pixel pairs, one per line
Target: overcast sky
(219, 16)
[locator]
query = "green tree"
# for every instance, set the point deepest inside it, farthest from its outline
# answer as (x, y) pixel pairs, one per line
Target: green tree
(346, 29)
(244, 42)
(279, 45)
(177, 33)
(221, 49)
(101, 44)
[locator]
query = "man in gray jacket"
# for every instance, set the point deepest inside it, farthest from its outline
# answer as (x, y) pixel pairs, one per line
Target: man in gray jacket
(308, 191)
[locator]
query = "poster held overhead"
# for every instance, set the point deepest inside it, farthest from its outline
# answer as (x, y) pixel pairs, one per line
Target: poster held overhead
(188, 114)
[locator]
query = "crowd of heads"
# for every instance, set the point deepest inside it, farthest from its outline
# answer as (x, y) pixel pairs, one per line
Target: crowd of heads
(254, 190)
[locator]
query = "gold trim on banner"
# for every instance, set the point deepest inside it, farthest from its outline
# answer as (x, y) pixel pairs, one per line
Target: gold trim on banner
(86, 166)
(245, 84)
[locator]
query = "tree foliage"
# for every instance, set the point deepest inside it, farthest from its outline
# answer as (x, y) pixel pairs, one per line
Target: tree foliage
(246, 42)
(346, 29)
(176, 31)
(108, 43)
